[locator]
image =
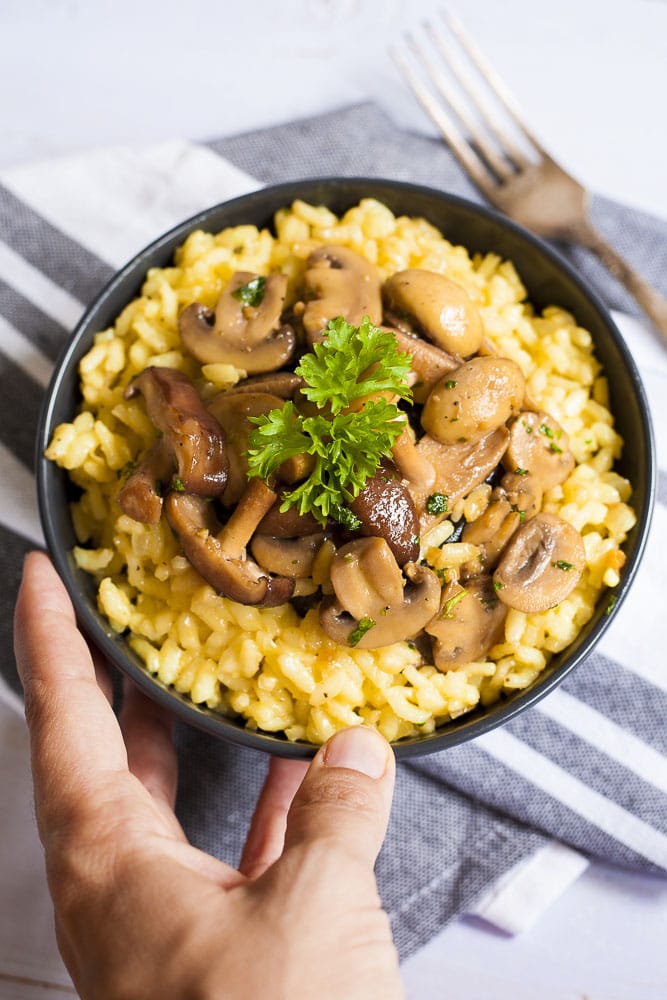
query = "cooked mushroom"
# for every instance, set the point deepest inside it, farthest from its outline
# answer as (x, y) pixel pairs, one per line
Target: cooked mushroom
(524, 493)
(236, 333)
(428, 363)
(436, 306)
(373, 605)
(192, 435)
(282, 384)
(233, 412)
(287, 556)
(386, 510)
(541, 565)
(140, 497)
(477, 397)
(339, 282)
(539, 445)
(493, 529)
(470, 621)
(287, 523)
(413, 465)
(458, 467)
(219, 553)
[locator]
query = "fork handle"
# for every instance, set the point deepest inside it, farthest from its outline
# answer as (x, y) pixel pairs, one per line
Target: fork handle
(652, 302)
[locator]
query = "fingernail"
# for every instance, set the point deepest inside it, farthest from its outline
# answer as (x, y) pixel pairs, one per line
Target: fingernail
(358, 749)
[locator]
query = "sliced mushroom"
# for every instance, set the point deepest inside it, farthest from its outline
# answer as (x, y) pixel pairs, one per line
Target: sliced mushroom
(477, 397)
(413, 465)
(493, 529)
(282, 384)
(140, 497)
(192, 435)
(292, 557)
(428, 363)
(470, 621)
(339, 282)
(246, 336)
(219, 553)
(539, 445)
(386, 510)
(436, 306)
(523, 492)
(458, 467)
(287, 523)
(541, 565)
(373, 604)
(233, 412)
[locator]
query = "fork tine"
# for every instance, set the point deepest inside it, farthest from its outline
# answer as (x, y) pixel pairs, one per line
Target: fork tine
(440, 82)
(492, 78)
(469, 160)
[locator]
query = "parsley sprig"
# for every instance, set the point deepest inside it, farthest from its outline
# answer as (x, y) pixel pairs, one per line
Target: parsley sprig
(347, 444)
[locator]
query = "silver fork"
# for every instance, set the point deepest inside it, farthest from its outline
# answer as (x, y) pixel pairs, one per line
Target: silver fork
(527, 184)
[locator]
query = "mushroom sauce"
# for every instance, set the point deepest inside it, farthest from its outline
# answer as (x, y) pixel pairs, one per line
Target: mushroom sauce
(465, 541)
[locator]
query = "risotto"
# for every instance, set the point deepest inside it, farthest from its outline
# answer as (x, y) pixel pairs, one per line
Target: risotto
(305, 659)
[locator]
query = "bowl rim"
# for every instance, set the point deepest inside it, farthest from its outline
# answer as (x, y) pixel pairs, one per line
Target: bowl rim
(226, 728)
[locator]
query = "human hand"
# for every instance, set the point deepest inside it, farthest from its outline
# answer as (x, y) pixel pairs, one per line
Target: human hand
(140, 913)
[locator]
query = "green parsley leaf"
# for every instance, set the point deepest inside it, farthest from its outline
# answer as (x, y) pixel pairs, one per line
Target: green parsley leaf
(546, 430)
(497, 585)
(178, 485)
(562, 564)
(364, 626)
(347, 444)
(554, 447)
(612, 604)
(437, 503)
(450, 383)
(252, 293)
(520, 472)
(351, 362)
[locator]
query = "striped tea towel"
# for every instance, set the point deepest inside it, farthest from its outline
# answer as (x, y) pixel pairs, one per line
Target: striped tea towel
(587, 765)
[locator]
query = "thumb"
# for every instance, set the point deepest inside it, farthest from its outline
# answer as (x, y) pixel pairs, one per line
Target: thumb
(345, 797)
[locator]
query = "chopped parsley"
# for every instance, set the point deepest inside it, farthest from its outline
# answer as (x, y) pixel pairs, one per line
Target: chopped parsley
(520, 472)
(437, 503)
(178, 485)
(448, 608)
(364, 626)
(544, 429)
(562, 564)
(347, 444)
(251, 294)
(497, 585)
(554, 447)
(612, 604)
(450, 383)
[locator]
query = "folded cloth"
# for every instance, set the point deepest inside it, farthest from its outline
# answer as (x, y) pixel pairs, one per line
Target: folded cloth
(587, 765)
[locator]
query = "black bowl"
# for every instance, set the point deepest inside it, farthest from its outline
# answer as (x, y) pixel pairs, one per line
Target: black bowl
(549, 280)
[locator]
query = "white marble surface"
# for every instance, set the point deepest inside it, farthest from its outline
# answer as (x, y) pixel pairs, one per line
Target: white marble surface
(591, 76)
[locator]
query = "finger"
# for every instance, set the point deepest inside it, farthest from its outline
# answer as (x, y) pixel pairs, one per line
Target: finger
(266, 836)
(75, 739)
(102, 675)
(147, 729)
(345, 798)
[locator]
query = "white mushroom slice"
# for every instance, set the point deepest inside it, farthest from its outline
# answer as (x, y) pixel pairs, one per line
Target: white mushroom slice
(492, 530)
(477, 397)
(339, 282)
(539, 446)
(436, 306)
(541, 565)
(470, 621)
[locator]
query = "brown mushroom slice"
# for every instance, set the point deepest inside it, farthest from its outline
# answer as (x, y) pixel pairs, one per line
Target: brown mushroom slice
(218, 553)
(140, 497)
(287, 523)
(292, 557)
(246, 336)
(436, 306)
(493, 529)
(193, 436)
(402, 617)
(428, 364)
(541, 565)
(477, 397)
(459, 468)
(523, 492)
(282, 384)
(339, 282)
(539, 445)
(233, 412)
(413, 466)
(386, 510)
(469, 622)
